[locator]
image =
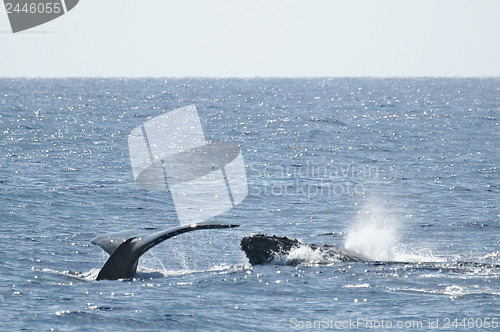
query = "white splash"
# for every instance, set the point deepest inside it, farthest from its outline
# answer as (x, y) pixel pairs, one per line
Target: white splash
(305, 254)
(375, 233)
(365, 285)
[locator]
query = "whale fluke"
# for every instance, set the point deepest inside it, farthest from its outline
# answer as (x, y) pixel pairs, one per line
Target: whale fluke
(126, 247)
(262, 249)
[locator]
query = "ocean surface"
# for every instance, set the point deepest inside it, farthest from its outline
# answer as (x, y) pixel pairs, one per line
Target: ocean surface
(403, 171)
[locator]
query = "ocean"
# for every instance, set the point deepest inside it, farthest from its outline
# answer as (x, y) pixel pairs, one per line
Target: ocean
(403, 171)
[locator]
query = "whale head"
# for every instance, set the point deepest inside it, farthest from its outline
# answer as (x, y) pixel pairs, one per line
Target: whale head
(262, 249)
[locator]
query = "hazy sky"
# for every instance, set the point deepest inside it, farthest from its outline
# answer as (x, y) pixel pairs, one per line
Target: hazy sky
(239, 38)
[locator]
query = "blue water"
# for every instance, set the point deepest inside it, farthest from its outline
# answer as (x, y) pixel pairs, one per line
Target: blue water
(404, 171)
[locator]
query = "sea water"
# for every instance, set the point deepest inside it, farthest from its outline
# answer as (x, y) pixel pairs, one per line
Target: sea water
(402, 171)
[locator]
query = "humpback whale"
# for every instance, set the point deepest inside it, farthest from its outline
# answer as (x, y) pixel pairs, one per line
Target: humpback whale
(263, 249)
(126, 247)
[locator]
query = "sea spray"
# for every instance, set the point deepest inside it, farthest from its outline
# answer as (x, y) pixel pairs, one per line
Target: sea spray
(375, 232)
(377, 235)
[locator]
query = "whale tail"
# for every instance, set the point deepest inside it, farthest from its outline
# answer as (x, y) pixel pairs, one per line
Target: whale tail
(126, 247)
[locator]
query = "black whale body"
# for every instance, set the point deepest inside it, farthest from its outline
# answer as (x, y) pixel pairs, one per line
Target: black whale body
(263, 249)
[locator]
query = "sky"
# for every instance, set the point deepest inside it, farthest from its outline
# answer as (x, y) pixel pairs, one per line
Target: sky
(259, 38)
